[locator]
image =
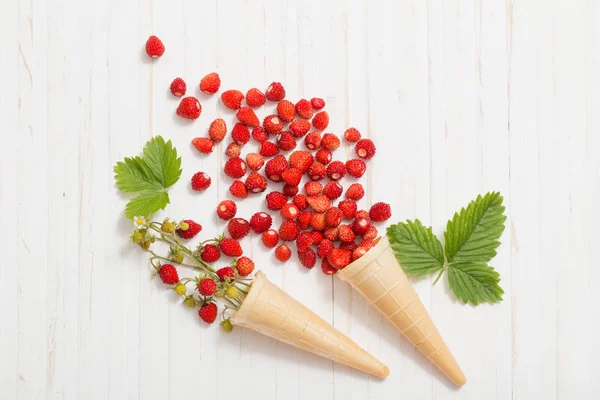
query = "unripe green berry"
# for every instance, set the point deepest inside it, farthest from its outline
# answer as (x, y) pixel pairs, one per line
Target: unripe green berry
(184, 226)
(168, 226)
(227, 325)
(219, 293)
(231, 292)
(145, 245)
(137, 237)
(190, 302)
(177, 257)
(180, 289)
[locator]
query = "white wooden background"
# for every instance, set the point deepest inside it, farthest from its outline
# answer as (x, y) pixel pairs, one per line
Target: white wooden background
(460, 97)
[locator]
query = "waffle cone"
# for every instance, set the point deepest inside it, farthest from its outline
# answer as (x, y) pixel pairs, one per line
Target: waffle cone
(381, 280)
(269, 310)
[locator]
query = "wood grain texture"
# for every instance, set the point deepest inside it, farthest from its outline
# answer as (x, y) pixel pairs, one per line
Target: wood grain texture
(460, 96)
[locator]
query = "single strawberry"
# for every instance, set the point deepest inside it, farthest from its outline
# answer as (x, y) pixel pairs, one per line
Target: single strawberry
(272, 124)
(348, 207)
(188, 229)
(331, 233)
(226, 274)
(299, 201)
(254, 161)
(235, 167)
(367, 243)
(359, 252)
(259, 134)
(154, 47)
(207, 287)
(316, 171)
(256, 183)
(330, 142)
(289, 211)
(260, 222)
(336, 170)
(356, 167)
(290, 190)
(233, 150)
(317, 221)
(339, 258)
(307, 258)
(313, 188)
(285, 141)
(361, 225)
(286, 110)
(238, 189)
(247, 117)
(321, 120)
(289, 230)
(244, 266)
(226, 209)
(323, 156)
(319, 203)
(355, 192)
(275, 200)
(292, 176)
(255, 98)
(238, 228)
(333, 217)
(200, 181)
(304, 219)
(217, 130)
(210, 253)
(178, 87)
(365, 148)
(301, 159)
(276, 167)
(346, 234)
(304, 241)
(240, 134)
(317, 237)
(203, 145)
(232, 99)
(304, 109)
(333, 190)
(211, 83)
(283, 253)
(327, 268)
(317, 103)
(208, 312)
(299, 127)
(312, 140)
(350, 246)
(189, 108)
(352, 135)
(324, 248)
(270, 238)
(371, 234)
(230, 247)
(168, 274)
(268, 149)
(275, 92)
(380, 212)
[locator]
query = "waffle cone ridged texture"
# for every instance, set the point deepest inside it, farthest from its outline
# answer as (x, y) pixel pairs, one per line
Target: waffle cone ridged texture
(381, 280)
(269, 310)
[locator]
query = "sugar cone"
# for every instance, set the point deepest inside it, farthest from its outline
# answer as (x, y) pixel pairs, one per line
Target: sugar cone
(380, 279)
(269, 310)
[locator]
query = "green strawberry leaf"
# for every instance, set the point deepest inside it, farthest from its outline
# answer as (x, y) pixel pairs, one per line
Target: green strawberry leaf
(475, 283)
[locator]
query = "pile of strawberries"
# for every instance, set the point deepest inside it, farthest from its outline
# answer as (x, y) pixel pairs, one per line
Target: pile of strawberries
(337, 234)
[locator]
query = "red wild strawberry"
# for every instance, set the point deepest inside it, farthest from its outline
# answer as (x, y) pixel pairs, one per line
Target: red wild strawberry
(168, 274)
(154, 47)
(317, 221)
(350, 246)
(272, 124)
(208, 312)
(348, 207)
(226, 209)
(380, 212)
(286, 110)
(371, 234)
(325, 248)
(323, 156)
(327, 268)
(319, 203)
(355, 192)
(210, 253)
(240, 134)
(365, 148)
(317, 237)
(304, 109)
(317, 103)
(362, 213)
(283, 253)
(235, 167)
(232, 99)
(356, 167)
(333, 190)
(331, 233)
(339, 258)
(192, 230)
(247, 117)
(330, 142)
(226, 274)
(290, 190)
(189, 108)
(334, 217)
(367, 243)
(321, 120)
(346, 234)
(304, 241)
(289, 211)
(299, 127)
(299, 201)
(313, 188)
(359, 252)
(304, 219)
(360, 226)
(285, 141)
(336, 170)
(275, 92)
(268, 149)
(312, 140)
(233, 150)
(352, 135)
(301, 159)
(238, 228)
(275, 200)
(178, 87)
(217, 130)
(255, 98)
(270, 238)
(288, 230)
(259, 134)
(238, 189)
(211, 83)
(244, 266)
(292, 176)
(307, 258)
(203, 145)
(207, 287)
(316, 171)
(230, 247)
(260, 222)
(256, 183)
(200, 181)
(276, 167)
(255, 161)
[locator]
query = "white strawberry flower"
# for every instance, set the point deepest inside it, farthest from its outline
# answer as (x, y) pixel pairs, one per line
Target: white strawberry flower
(139, 222)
